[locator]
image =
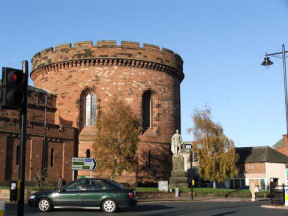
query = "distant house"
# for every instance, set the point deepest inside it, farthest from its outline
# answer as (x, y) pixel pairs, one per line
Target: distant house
(261, 165)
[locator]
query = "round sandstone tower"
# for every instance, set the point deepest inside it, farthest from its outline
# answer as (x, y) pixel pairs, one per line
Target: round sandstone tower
(146, 78)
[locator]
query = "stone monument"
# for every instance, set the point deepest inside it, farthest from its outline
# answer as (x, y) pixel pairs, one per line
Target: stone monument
(178, 178)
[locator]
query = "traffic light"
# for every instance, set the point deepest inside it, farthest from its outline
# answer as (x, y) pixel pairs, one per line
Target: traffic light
(14, 89)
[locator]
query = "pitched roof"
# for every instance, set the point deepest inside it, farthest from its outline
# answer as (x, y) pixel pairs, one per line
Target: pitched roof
(260, 154)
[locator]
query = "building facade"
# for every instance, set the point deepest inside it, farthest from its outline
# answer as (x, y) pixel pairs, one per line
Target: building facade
(261, 165)
(83, 79)
(61, 141)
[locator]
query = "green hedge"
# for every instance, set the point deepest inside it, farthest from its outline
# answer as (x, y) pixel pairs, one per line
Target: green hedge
(217, 192)
(147, 189)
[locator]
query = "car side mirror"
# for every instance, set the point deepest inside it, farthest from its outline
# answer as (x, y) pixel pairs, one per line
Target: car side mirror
(62, 189)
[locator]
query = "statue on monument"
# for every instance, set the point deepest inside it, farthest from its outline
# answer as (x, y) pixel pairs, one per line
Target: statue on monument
(178, 178)
(176, 141)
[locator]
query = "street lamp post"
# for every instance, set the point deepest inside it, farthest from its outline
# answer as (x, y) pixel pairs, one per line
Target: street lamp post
(268, 62)
(45, 164)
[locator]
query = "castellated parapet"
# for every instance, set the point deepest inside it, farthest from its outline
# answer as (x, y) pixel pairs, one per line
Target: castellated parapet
(127, 72)
(108, 53)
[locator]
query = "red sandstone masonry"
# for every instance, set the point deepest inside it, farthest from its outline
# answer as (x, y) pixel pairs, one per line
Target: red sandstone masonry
(124, 71)
(66, 56)
(56, 134)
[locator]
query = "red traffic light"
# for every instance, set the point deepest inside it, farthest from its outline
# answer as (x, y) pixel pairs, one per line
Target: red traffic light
(15, 77)
(14, 89)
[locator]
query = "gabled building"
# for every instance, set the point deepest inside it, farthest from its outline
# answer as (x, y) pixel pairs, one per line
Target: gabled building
(262, 165)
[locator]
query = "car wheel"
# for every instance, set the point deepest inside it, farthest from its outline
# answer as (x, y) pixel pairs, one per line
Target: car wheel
(44, 205)
(109, 206)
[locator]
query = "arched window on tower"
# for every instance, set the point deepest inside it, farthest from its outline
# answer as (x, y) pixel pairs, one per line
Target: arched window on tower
(146, 110)
(90, 109)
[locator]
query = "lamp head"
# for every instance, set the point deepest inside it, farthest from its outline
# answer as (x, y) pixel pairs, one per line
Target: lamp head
(267, 62)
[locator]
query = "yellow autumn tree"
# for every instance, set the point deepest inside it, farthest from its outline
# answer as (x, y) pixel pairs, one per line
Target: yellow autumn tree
(216, 152)
(116, 139)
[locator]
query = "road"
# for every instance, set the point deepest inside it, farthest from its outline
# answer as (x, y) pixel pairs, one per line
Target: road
(183, 208)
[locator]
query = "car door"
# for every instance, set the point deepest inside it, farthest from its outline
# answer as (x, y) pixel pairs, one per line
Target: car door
(95, 192)
(70, 195)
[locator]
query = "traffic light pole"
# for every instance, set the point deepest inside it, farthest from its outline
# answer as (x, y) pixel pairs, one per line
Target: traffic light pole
(191, 171)
(23, 120)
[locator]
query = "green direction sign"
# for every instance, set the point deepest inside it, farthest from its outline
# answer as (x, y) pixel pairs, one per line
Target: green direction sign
(89, 164)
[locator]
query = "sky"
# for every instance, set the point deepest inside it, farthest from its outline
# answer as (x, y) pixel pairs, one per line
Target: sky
(222, 43)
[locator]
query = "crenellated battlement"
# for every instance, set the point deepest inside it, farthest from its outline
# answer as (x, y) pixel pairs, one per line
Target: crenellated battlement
(108, 52)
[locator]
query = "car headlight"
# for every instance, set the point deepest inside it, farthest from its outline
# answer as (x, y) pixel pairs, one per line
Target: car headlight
(32, 197)
(55, 195)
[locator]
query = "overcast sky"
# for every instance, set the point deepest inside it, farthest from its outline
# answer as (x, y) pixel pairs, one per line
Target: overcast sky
(222, 43)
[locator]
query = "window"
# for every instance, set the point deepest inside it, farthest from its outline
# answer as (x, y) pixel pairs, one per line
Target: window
(149, 159)
(17, 154)
(98, 185)
(76, 186)
(146, 110)
(250, 166)
(90, 109)
(52, 158)
(262, 184)
(88, 153)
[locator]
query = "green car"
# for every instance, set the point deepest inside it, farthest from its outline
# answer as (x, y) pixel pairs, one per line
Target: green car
(85, 193)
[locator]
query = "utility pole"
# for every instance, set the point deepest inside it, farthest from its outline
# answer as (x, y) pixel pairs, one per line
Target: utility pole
(45, 146)
(191, 170)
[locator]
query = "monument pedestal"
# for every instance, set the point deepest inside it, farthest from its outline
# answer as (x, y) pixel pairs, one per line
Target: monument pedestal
(178, 178)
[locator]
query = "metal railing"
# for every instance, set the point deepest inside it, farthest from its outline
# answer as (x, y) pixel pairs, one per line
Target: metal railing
(277, 194)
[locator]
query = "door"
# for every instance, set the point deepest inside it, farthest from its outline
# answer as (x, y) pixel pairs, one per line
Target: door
(70, 195)
(95, 192)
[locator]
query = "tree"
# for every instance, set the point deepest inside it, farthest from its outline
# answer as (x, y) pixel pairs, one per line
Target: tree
(40, 178)
(216, 152)
(116, 139)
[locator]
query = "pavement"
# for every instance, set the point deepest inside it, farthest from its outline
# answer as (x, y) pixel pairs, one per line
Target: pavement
(230, 199)
(214, 199)
(207, 199)
(275, 206)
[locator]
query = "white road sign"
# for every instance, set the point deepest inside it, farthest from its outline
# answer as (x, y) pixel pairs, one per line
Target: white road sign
(89, 164)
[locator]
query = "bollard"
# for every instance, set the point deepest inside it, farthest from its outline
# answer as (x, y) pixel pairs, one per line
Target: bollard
(286, 195)
(176, 192)
(2, 208)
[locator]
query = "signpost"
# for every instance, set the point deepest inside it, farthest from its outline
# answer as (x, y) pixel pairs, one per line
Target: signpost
(88, 164)
(286, 195)
(189, 146)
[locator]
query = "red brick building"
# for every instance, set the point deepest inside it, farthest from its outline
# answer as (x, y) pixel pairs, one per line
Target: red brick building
(62, 141)
(282, 145)
(81, 80)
